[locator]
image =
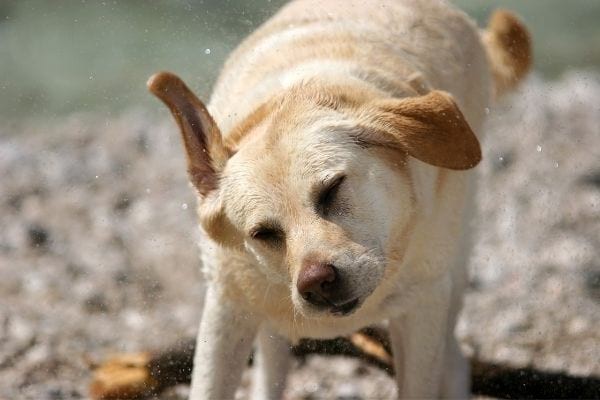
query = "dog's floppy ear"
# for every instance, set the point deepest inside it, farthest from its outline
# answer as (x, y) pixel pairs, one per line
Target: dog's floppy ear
(430, 128)
(206, 154)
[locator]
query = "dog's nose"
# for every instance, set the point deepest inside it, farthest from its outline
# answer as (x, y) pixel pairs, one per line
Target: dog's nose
(316, 283)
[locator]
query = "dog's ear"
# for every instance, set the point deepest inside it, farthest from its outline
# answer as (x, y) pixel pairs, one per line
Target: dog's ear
(430, 128)
(206, 154)
(205, 151)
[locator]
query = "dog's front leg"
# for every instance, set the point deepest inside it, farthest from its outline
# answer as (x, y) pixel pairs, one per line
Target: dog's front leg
(418, 343)
(272, 359)
(222, 348)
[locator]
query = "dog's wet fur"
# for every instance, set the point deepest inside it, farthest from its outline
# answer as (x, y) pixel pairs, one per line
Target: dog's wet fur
(333, 171)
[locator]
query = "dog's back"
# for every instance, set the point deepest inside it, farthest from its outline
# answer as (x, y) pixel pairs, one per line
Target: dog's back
(384, 41)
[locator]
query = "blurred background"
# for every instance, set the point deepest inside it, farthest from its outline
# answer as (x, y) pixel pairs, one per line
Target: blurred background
(64, 56)
(98, 238)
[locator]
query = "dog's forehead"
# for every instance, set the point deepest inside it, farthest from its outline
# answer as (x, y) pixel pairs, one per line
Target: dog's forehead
(282, 168)
(294, 156)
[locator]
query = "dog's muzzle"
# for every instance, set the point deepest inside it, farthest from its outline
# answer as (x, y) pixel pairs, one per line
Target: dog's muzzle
(321, 285)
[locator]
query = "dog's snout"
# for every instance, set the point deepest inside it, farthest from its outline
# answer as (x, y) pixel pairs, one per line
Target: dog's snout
(316, 283)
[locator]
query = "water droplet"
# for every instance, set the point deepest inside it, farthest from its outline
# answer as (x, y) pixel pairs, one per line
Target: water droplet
(91, 77)
(556, 164)
(207, 51)
(184, 206)
(487, 110)
(96, 176)
(500, 158)
(538, 148)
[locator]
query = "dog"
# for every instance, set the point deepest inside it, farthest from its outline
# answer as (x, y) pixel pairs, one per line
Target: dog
(333, 168)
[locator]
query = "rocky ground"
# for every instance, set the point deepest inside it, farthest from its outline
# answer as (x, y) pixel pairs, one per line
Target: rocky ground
(98, 253)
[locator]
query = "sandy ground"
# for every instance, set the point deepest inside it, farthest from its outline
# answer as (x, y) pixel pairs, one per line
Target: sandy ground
(98, 253)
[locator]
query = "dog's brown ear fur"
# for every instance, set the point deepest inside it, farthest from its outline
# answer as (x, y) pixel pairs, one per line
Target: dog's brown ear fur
(205, 151)
(206, 154)
(430, 128)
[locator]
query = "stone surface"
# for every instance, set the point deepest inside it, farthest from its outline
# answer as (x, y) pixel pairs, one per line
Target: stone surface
(98, 247)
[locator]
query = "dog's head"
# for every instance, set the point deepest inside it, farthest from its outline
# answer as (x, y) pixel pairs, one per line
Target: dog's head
(315, 184)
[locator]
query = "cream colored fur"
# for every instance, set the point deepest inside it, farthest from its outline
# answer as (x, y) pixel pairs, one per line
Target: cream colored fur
(387, 93)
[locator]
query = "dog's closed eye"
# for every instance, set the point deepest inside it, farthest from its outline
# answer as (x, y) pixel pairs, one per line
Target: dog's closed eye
(327, 196)
(267, 233)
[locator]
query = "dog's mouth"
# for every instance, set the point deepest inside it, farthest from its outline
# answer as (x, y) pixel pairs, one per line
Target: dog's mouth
(335, 308)
(344, 308)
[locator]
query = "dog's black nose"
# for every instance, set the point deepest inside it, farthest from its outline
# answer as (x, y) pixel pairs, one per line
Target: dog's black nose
(317, 283)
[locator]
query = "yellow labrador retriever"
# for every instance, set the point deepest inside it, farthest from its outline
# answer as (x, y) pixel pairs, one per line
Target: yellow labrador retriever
(331, 167)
